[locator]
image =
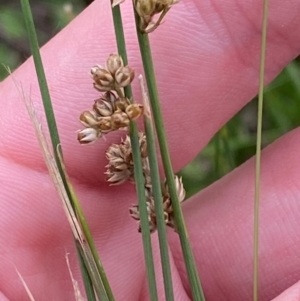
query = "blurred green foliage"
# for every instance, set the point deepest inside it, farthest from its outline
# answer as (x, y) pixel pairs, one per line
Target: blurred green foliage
(49, 16)
(230, 147)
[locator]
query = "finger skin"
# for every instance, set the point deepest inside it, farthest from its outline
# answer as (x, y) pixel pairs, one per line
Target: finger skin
(291, 294)
(207, 59)
(206, 56)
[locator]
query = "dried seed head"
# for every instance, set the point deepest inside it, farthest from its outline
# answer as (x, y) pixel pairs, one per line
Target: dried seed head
(134, 111)
(88, 135)
(146, 9)
(116, 177)
(114, 76)
(119, 154)
(135, 214)
(179, 189)
(124, 76)
(119, 120)
(167, 202)
(143, 145)
(120, 166)
(103, 80)
(88, 119)
(120, 163)
(105, 106)
(122, 103)
(105, 124)
(113, 63)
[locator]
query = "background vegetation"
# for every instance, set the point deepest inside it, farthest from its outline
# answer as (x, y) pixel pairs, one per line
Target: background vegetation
(231, 146)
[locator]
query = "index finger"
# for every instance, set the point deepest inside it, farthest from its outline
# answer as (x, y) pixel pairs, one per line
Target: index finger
(206, 58)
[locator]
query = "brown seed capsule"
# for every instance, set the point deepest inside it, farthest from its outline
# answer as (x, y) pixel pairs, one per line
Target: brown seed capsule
(89, 118)
(105, 106)
(143, 146)
(145, 7)
(104, 81)
(117, 177)
(119, 120)
(134, 111)
(135, 214)
(88, 135)
(122, 103)
(113, 63)
(124, 76)
(120, 166)
(104, 124)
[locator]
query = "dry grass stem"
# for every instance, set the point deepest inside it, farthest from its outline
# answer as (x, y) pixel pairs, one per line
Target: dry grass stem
(26, 287)
(78, 296)
(58, 183)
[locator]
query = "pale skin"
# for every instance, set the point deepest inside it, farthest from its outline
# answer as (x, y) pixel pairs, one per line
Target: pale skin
(207, 60)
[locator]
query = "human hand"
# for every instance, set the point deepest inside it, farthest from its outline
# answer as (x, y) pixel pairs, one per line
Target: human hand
(207, 61)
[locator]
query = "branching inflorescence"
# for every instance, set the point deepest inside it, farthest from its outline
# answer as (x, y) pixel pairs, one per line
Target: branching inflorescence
(113, 111)
(147, 10)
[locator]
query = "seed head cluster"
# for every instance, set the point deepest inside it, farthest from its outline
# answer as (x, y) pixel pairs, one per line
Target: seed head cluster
(120, 169)
(112, 111)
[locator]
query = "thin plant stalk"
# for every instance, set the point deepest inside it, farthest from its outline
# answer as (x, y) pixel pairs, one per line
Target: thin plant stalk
(145, 51)
(258, 151)
(92, 246)
(157, 196)
(41, 75)
(138, 171)
(77, 293)
(25, 286)
(140, 189)
(86, 277)
(48, 107)
(79, 237)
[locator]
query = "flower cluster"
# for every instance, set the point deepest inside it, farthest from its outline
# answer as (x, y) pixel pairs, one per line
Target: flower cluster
(113, 76)
(120, 169)
(147, 9)
(167, 206)
(110, 112)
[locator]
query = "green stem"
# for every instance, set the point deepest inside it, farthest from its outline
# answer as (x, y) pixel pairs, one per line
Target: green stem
(89, 290)
(49, 113)
(158, 200)
(90, 241)
(138, 171)
(145, 51)
(41, 76)
(258, 151)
